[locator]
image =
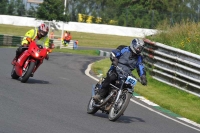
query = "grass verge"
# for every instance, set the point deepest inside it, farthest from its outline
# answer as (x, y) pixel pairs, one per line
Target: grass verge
(83, 52)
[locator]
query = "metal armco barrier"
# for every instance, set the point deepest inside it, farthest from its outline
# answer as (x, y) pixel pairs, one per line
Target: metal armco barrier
(8, 40)
(173, 66)
(104, 53)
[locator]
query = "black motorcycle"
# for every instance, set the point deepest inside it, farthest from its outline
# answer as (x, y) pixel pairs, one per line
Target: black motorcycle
(118, 99)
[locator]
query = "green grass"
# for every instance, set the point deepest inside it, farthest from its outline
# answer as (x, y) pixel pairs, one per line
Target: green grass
(173, 99)
(83, 52)
(100, 40)
(14, 30)
(185, 36)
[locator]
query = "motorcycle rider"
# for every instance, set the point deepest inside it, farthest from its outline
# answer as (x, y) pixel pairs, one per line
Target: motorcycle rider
(36, 34)
(128, 58)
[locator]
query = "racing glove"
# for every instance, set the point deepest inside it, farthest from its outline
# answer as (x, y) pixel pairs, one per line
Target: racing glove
(143, 80)
(115, 61)
(25, 45)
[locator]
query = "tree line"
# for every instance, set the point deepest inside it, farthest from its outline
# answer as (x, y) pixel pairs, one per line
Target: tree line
(130, 13)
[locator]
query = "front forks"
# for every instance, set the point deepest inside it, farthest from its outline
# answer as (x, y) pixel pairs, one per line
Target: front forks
(119, 93)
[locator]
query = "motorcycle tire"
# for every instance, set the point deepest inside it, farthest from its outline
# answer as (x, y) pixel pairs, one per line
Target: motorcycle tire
(26, 74)
(90, 108)
(13, 73)
(114, 114)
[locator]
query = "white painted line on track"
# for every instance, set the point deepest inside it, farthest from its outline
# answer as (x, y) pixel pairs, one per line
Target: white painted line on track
(165, 115)
(146, 101)
(87, 72)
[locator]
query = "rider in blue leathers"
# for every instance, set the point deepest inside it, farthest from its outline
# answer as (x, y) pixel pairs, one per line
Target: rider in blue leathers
(128, 58)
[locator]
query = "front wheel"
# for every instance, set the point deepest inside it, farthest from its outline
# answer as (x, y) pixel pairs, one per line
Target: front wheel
(90, 108)
(27, 72)
(118, 109)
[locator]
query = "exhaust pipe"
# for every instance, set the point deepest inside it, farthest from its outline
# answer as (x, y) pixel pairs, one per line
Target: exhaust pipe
(93, 90)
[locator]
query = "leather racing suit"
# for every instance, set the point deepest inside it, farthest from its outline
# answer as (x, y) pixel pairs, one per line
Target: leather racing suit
(126, 60)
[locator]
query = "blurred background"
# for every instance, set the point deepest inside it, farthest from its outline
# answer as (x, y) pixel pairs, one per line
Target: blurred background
(129, 13)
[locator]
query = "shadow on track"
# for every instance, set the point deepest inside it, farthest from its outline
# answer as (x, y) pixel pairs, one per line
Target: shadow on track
(122, 119)
(31, 81)
(35, 81)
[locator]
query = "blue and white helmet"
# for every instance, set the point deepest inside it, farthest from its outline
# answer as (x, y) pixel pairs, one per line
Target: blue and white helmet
(137, 45)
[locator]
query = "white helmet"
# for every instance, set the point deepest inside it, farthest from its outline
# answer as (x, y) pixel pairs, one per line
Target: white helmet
(137, 45)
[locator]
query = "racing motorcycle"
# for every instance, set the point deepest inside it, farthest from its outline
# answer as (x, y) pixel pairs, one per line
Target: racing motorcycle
(118, 99)
(29, 61)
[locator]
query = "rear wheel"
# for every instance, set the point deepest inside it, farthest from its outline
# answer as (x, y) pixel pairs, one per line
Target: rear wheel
(27, 72)
(118, 109)
(13, 73)
(90, 108)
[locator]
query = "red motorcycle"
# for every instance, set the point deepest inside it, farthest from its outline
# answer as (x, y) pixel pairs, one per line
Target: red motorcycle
(29, 61)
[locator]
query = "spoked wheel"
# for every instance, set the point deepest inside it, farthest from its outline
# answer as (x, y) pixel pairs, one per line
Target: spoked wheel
(118, 108)
(13, 73)
(90, 108)
(27, 72)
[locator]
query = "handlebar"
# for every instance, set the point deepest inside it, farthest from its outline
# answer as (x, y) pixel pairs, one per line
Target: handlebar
(127, 74)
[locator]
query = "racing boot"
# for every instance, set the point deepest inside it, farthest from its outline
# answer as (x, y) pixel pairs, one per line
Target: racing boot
(102, 94)
(14, 61)
(97, 98)
(47, 57)
(16, 58)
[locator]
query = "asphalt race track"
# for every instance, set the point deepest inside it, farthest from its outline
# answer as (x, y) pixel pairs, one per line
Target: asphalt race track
(55, 101)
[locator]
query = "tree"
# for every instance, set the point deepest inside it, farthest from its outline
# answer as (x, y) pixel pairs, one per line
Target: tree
(16, 7)
(32, 11)
(132, 13)
(20, 8)
(11, 7)
(3, 6)
(51, 10)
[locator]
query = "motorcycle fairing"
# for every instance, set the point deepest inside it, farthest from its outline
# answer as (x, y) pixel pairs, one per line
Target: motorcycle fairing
(20, 62)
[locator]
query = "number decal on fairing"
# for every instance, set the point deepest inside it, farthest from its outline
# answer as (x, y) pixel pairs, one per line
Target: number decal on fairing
(130, 80)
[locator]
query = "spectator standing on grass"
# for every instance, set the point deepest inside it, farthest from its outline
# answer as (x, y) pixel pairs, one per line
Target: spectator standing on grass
(67, 38)
(76, 44)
